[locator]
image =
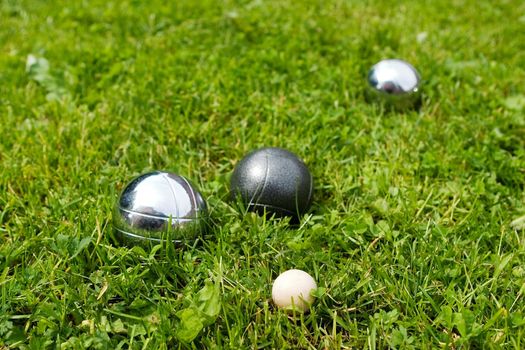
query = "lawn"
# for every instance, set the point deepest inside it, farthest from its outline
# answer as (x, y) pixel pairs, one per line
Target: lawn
(414, 236)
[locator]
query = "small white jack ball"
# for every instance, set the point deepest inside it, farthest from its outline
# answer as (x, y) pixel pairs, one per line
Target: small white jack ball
(291, 290)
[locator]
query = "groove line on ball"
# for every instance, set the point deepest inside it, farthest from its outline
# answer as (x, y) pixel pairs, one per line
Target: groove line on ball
(192, 196)
(165, 177)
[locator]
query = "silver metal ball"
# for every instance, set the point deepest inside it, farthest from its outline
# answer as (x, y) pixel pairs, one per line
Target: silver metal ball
(395, 82)
(159, 206)
(273, 181)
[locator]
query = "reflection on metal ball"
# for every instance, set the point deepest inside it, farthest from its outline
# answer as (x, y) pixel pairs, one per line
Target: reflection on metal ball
(395, 82)
(273, 181)
(159, 206)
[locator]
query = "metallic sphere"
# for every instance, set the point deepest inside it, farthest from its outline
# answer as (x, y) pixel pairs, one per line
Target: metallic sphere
(273, 181)
(159, 206)
(395, 81)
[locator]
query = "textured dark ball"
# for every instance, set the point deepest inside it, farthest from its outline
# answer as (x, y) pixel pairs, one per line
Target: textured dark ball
(395, 82)
(159, 206)
(273, 180)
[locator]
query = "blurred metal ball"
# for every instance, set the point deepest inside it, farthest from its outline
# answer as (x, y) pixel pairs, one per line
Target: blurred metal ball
(159, 206)
(273, 181)
(395, 82)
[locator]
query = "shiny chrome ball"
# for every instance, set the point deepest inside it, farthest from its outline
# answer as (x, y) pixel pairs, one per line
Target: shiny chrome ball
(395, 82)
(273, 181)
(159, 206)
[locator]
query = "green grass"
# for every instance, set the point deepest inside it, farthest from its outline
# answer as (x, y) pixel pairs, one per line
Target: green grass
(410, 233)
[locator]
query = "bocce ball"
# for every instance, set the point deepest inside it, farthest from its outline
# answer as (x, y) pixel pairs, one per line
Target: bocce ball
(159, 206)
(292, 290)
(395, 82)
(273, 181)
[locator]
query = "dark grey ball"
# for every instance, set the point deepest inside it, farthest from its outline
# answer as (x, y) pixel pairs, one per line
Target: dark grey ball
(274, 181)
(159, 206)
(395, 82)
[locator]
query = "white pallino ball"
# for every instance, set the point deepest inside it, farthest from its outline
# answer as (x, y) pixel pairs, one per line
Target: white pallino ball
(292, 290)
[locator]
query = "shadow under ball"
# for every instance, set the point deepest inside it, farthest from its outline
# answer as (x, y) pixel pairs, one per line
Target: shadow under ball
(273, 181)
(395, 82)
(159, 206)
